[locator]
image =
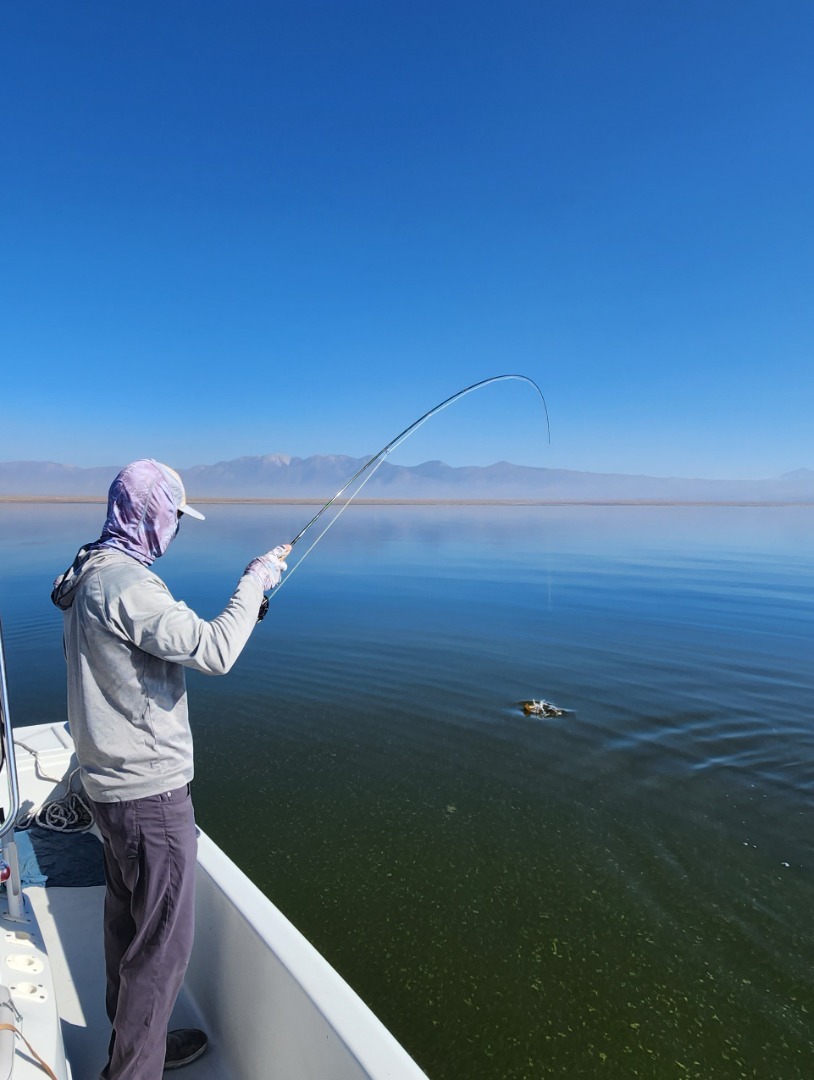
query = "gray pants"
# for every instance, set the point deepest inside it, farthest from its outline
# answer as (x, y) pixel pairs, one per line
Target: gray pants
(150, 852)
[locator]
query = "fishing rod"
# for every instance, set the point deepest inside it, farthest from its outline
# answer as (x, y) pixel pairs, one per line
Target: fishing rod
(377, 460)
(370, 467)
(399, 439)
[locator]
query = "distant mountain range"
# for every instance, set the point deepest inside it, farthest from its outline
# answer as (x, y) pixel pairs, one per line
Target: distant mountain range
(277, 476)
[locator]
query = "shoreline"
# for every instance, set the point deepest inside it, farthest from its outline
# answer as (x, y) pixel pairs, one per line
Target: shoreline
(314, 501)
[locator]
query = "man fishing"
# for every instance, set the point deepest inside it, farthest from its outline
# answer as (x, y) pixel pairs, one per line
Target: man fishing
(127, 643)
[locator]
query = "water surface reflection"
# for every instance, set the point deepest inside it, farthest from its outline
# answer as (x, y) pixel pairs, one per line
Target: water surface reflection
(623, 892)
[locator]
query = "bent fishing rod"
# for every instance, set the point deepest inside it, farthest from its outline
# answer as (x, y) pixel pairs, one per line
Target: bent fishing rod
(378, 459)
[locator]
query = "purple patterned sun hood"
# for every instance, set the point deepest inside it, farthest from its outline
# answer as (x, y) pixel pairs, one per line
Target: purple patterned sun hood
(142, 515)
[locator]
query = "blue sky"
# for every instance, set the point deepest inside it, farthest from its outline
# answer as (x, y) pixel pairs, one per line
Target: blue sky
(238, 228)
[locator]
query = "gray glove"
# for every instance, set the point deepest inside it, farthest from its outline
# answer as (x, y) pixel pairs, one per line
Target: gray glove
(268, 568)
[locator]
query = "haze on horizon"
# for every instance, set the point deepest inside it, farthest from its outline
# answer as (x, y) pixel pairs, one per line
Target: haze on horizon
(235, 230)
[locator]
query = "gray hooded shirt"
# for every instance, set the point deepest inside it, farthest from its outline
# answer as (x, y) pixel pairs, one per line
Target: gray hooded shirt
(128, 641)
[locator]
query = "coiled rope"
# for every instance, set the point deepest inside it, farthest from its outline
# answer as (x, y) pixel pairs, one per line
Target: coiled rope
(68, 814)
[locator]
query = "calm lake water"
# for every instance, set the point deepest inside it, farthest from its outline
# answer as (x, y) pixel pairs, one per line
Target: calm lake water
(623, 892)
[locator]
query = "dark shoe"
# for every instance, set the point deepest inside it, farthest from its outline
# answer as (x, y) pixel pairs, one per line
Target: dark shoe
(184, 1046)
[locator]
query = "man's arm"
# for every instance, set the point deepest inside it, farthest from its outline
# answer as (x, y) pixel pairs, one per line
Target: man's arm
(149, 616)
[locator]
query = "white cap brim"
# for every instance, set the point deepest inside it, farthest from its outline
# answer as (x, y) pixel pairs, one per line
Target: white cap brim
(185, 509)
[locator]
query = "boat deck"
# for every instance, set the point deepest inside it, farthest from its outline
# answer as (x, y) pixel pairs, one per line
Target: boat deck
(70, 920)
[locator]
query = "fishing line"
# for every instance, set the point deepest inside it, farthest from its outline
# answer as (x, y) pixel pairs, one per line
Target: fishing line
(378, 459)
(330, 525)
